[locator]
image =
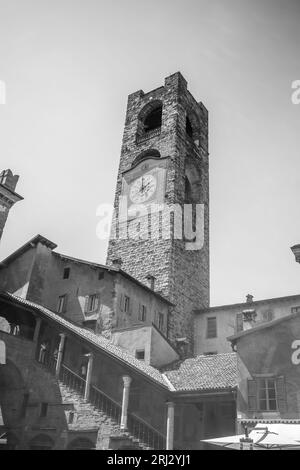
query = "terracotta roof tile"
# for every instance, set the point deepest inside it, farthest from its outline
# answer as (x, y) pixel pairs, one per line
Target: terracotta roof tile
(216, 372)
(97, 340)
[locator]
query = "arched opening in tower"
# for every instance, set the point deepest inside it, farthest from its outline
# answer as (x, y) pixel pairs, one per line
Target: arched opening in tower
(153, 119)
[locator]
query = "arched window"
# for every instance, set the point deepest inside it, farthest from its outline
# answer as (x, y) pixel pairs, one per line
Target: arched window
(192, 127)
(150, 119)
(153, 120)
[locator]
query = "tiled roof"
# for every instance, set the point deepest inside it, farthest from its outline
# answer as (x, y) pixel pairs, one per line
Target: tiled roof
(97, 340)
(212, 373)
(216, 372)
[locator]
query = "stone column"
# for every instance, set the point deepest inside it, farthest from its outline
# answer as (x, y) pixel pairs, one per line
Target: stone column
(170, 426)
(38, 323)
(126, 388)
(35, 352)
(60, 353)
(88, 376)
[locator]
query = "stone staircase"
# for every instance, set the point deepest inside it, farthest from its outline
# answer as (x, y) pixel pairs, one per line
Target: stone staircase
(89, 417)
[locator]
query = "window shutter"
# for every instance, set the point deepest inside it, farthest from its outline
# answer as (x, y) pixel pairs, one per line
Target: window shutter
(121, 304)
(97, 303)
(239, 322)
(140, 312)
(86, 303)
(281, 394)
(252, 395)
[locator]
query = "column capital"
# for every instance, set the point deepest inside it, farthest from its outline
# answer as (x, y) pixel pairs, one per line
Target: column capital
(127, 380)
(62, 335)
(170, 404)
(89, 355)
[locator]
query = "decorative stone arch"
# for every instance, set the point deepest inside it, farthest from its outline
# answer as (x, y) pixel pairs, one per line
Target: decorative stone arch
(150, 153)
(81, 443)
(192, 126)
(41, 442)
(150, 117)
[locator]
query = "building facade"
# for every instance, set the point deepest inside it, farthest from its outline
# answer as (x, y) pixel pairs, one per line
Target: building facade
(268, 372)
(63, 386)
(214, 325)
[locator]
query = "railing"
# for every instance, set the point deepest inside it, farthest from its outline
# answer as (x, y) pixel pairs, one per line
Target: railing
(104, 403)
(72, 380)
(48, 360)
(148, 135)
(145, 432)
(136, 426)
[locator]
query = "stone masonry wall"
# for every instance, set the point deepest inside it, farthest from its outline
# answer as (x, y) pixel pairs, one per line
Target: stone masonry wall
(181, 275)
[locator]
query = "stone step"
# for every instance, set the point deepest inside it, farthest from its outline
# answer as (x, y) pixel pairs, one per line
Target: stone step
(88, 416)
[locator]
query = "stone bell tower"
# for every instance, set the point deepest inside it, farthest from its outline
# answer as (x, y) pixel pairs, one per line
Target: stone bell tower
(164, 167)
(8, 196)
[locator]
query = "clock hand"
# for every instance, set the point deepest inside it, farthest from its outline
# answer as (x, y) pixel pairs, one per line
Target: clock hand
(142, 187)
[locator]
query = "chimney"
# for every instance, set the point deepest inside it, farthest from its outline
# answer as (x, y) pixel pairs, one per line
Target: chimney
(151, 281)
(249, 299)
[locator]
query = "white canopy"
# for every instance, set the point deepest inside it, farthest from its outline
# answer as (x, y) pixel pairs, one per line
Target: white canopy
(264, 436)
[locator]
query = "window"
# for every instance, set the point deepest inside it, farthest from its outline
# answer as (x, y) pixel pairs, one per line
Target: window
(267, 316)
(126, 304)
(91, 303)
(44, 410)
(211, 327)
(266, 394)
(66, 274)
(239, 322)
(160, 320)
(140, 354)
(295, 309)
(100, 275)
(143, 313)
(62, 303)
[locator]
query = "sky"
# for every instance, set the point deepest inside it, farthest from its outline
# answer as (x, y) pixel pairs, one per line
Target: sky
(69, 66)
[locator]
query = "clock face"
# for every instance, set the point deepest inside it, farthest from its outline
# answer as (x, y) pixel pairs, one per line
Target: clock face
(142, 189)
